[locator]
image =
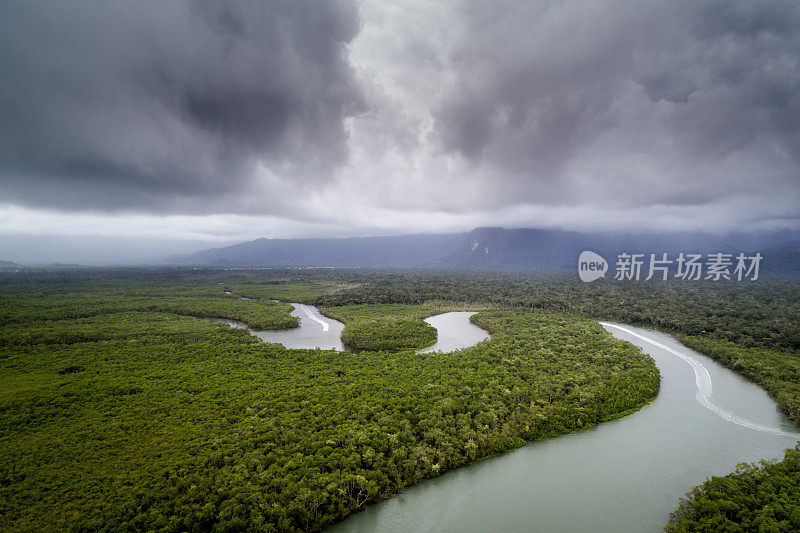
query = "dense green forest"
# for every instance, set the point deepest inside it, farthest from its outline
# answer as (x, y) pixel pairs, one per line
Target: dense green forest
(43, 309)
(762, 497)
(391, 327)
(759, 322)
(118, 416)
(121, 410)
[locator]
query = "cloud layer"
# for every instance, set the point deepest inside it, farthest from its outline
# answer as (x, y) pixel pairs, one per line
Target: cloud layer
(170, 106)
(378, 117)
(661, 102)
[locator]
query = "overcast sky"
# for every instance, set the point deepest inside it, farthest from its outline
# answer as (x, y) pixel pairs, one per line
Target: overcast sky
(203, 122)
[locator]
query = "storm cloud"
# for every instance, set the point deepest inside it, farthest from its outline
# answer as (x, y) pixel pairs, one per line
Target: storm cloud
(377, 117)
(679, 102)
(123, 104)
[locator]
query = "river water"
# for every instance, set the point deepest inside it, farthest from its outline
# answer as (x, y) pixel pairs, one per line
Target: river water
(315, 331)
(624, 475)
(455, 332)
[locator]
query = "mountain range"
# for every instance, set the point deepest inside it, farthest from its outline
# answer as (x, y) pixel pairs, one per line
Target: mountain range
(497, 249)
(373, 252)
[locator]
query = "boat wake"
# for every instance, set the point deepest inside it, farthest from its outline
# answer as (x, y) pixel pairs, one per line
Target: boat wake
(704, 387)
(311, 315)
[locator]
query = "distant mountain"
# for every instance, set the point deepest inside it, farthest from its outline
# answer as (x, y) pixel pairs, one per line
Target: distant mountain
(399, 252)
(783, 259)
(549, 250)
(497, 249)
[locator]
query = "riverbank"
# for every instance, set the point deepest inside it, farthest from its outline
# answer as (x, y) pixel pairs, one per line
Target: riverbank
(622, 475)
(203, 424)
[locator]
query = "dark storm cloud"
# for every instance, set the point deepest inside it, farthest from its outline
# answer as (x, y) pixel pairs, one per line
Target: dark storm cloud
(169, 105)
(686, 86)
(393, 116)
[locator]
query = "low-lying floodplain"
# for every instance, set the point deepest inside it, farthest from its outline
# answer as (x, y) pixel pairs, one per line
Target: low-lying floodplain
(123, 408)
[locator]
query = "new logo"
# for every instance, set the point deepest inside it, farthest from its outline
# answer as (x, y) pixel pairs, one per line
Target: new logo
(591, 266)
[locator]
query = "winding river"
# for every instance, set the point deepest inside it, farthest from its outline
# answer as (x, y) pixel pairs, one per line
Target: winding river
(315, 331)
(455, 332)
(624, 475)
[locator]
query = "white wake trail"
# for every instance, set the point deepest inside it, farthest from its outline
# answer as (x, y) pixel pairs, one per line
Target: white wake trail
(308, 312)
(704, 387)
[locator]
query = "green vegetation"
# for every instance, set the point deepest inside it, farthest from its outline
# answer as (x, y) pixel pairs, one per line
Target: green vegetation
(760, 314)
(734, 317)
(776, 371)
(752, 328)
(118, 412)
(34, 312)
(286, 292)
(390, 334)
(764, 497)
(390, 327)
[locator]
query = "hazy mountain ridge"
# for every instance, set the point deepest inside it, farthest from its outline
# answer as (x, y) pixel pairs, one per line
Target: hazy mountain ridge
(393, 251)
(559, 250)
(497, 248)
